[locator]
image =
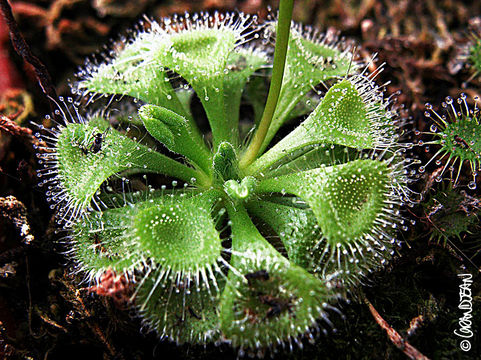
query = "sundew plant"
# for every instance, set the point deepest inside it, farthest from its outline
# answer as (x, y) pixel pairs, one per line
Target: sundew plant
(229, 234)
(456, 133)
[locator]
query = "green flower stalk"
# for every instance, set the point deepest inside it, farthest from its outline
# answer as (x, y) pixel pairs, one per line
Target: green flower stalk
(182, 213)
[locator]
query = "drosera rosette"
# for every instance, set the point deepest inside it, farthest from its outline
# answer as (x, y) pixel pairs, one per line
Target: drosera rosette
(197, 253)
(456, 132)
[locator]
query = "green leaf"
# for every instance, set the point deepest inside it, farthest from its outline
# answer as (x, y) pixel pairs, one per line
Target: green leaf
(175, 132)
(240, 65)
(199, 54)
(304, 107)
(99, 242)
(225, 162)
(256, 93)
(185, 97)
(183, 312)
(122, 199)
(297, 229)
(132, 72)
(82, 168)
(110, 238)
(179, 234)
(267, 299)
(348, 199)
(311, 59)
(160, 130)
(177, 301)
(351, 114)
(357, 214)
(318, 156)
(177, 293)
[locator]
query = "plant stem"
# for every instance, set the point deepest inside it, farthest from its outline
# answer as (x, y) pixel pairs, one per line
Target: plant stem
(394, 336)
(282, 39)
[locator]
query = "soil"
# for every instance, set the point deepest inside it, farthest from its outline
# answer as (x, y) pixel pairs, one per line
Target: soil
(48, 313)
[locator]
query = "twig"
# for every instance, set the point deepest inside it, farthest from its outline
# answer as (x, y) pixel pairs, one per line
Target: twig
(22, 49)
(394, 336)
(11, 127)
